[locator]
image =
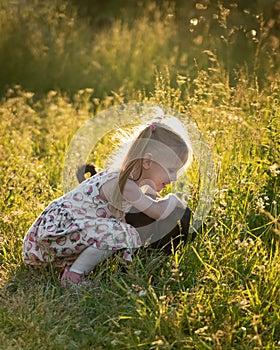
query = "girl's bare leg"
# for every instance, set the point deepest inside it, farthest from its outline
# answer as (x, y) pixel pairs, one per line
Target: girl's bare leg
(84, 264)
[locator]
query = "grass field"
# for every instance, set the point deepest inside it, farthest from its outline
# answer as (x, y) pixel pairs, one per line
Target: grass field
(220, 292)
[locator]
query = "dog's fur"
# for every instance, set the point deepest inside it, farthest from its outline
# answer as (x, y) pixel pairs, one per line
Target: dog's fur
(142, 222)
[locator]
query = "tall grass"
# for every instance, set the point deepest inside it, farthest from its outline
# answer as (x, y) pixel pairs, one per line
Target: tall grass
(220, 292)
(46, 45)
(50, 45)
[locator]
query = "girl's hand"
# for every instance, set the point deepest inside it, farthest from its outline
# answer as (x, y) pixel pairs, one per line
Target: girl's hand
(149, 191)
(157, 209)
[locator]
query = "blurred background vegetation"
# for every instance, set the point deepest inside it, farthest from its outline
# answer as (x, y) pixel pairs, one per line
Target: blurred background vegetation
(120, 45)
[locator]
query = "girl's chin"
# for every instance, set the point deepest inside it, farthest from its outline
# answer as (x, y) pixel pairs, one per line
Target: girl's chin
(160, 188)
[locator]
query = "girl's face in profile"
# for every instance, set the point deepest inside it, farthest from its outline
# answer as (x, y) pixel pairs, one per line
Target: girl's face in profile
(161, 172)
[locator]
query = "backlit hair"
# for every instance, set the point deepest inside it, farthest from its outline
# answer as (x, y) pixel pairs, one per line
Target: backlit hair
(166, 131)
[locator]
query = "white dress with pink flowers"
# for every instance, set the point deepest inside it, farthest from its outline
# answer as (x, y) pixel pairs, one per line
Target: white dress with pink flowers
(73, 222)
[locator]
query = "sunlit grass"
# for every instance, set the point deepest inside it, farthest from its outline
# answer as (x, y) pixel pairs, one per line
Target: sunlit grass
(220, 292)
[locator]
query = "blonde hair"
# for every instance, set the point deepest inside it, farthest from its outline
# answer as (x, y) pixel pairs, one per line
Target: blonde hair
(169, 132)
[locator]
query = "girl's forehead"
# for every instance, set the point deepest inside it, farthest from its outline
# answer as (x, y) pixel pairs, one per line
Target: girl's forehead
(169, 160)
(167, 154)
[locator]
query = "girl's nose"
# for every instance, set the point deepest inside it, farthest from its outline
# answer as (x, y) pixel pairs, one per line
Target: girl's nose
(173, 176)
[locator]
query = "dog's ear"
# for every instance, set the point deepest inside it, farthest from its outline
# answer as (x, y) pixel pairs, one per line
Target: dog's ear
(84, 169)
(185, 225)
(185, 221)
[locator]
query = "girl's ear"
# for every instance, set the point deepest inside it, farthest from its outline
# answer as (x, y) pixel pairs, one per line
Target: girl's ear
(147, 160)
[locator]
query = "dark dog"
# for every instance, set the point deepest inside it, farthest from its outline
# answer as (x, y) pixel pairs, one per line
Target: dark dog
(178, 220)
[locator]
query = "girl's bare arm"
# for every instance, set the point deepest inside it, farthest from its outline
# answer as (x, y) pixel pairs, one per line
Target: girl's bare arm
(156, 209)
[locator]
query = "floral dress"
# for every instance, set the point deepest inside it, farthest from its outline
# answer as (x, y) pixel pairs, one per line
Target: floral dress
(75, 221)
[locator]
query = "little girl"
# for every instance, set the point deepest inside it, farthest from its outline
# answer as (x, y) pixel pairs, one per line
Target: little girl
(86, 225)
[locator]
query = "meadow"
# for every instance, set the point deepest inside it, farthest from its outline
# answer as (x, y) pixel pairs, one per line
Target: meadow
(220, 292)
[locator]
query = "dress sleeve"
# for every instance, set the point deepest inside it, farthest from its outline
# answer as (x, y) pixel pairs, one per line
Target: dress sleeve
(157, 209)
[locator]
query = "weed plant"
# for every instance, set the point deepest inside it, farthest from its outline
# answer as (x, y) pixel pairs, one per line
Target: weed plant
(220, 292)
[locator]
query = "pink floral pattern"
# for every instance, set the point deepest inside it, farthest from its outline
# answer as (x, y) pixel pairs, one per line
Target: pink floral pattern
(73, 222)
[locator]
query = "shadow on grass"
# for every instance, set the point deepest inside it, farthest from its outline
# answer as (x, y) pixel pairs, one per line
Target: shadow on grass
(37, 311)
